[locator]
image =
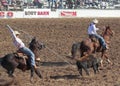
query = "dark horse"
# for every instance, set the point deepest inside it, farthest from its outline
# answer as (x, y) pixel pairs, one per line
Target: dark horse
(12, 61)
(91, 45)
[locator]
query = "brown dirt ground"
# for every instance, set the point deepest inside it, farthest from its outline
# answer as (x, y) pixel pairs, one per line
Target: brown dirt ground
(59, 35)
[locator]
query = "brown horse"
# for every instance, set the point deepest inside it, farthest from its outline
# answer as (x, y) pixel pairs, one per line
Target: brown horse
(91, 45)
(107, 34)
(12, 61)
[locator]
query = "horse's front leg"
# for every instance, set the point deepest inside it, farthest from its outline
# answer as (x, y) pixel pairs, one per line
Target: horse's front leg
(102, 57)
(105, 55)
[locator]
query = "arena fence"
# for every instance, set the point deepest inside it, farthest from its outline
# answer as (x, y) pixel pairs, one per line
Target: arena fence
(48, 13)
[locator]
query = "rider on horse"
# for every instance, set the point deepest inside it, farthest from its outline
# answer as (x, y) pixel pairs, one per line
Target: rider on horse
(92, 31)
(22, 48)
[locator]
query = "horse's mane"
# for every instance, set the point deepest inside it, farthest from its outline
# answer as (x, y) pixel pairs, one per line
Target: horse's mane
(106, 30)
(33, 41)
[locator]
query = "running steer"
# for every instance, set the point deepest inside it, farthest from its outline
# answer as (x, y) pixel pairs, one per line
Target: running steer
(91, 62)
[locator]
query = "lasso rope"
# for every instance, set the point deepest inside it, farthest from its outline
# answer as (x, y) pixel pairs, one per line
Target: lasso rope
(30, 37)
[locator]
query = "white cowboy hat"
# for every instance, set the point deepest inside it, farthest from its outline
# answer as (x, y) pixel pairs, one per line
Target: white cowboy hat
(16, 32)
(95, 21)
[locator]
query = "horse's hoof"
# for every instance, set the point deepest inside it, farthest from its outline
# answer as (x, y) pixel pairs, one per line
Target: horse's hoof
(41, 77)
(31, 80)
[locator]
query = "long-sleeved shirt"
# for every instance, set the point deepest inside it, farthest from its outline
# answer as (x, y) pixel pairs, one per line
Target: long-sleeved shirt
(17, 41)
(92, 29)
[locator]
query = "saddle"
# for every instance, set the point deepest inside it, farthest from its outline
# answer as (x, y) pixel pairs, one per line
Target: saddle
(22, 56)
(93, 38)
(97, 42)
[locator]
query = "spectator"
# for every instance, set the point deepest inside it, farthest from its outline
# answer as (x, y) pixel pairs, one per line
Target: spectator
(103, 5)
(49, 3)
(5, 4)
(9, 2)
(37, 3)
(54, 4)
(14, 2)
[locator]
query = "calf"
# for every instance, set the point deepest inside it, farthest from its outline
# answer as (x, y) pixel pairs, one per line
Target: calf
(92, 62)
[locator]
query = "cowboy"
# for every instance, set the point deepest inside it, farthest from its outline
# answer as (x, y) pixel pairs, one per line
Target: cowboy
(92, 31)
(22, 48)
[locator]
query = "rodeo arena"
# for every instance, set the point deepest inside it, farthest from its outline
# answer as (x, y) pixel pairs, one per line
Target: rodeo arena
(59, 42)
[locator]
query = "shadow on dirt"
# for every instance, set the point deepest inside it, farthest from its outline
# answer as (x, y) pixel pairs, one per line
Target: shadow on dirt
(53, 64)
(6, 83)
(66, 77)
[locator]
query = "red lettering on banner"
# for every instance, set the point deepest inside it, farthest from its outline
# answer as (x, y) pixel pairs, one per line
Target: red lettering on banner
(2, 14)
(68, 13)
(43, 13)
(10, 14)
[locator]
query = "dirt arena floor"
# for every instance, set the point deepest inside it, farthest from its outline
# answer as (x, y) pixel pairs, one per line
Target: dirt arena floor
(58, 35)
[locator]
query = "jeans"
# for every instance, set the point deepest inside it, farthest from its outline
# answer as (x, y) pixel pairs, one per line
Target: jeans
(30, 54)
(102, 41)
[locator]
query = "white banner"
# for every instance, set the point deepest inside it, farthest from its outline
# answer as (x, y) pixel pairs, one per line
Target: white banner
(59, 13)
(11, 14)
(4, 14)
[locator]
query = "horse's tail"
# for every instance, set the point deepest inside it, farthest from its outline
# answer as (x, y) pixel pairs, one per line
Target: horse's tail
(1, 59)
(75, 48)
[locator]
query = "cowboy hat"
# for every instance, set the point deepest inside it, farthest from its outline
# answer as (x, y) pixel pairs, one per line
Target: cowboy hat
(16, 32)
(95, 21)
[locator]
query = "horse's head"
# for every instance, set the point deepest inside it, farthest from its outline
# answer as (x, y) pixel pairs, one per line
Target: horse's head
(108, 31)
(34, 44)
